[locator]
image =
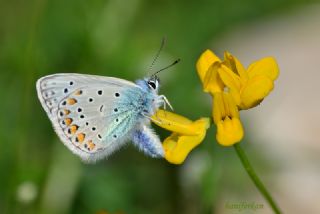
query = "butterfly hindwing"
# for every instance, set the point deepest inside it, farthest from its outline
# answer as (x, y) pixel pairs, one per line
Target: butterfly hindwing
(88, 112)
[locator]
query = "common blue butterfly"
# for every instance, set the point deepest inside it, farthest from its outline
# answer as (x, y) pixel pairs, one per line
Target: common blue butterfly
(95, 115)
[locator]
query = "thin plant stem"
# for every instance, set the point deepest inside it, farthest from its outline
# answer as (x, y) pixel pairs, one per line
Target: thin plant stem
(246, 164)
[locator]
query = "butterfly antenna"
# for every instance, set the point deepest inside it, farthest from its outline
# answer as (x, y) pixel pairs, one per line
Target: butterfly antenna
(172, 64)
(163, 42)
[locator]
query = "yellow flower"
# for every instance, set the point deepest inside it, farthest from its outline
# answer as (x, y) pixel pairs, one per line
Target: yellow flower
(248, 87)
(234, 88)
(253, 84)
(185, 137)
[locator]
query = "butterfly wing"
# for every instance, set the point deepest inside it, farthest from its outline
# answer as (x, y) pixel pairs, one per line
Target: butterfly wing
(87, 112)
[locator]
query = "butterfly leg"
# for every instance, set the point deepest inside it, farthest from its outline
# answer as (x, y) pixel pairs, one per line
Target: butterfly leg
(148, 142)
(165, 101)
(158, 120)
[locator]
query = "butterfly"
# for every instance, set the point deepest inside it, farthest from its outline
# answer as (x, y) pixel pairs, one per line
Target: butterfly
(95, 115)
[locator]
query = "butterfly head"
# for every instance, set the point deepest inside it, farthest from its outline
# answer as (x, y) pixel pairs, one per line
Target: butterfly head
(149, 84)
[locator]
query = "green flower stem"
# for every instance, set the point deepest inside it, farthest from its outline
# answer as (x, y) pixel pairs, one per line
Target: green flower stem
(245, 162)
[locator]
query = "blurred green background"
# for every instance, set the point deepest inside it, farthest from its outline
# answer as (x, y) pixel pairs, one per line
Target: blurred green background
(114, 38)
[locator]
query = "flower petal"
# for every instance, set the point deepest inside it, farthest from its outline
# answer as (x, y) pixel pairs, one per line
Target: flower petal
(206, 59)
(212, 82)
(235, 65)
(230, 105)
(179, 124)
(223, 106)
(232, 81)
(229, 131)
(177, 147)
(266, 66)
(256, 89)
(218, 109)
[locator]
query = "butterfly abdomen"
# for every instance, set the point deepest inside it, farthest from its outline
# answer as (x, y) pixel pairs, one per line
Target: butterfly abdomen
(145, 139)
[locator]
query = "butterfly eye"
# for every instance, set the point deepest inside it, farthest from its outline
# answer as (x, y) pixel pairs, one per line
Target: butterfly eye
(152, 85)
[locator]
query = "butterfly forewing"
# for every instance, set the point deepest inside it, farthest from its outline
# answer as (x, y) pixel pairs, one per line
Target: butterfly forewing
(87, 112)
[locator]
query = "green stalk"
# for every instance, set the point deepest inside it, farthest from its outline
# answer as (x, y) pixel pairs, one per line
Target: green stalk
(246, 164)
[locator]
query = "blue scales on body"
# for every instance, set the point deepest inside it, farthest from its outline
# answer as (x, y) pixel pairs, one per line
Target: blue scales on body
(132, 112)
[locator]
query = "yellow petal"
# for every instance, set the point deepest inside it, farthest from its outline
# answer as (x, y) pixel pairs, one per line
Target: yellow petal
(218, 109)
(229, 131)
(212, 82)
(266, 66)
(235, 65)
(223, 106)
(235, 95)
(256, 89)
(179, 124)
(177, 147)
(232, 81)
(206, 59)
(230, 105)
(228, 77)
(201, 125)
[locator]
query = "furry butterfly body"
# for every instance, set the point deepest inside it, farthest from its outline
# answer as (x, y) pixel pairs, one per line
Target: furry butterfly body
(94, 115)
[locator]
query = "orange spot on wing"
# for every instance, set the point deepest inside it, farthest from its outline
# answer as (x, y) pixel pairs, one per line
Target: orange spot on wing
(91, 145)
(79, 92)
(81, 137)
(73, 129)
(66, 111)
(71, 101)
(68, 121)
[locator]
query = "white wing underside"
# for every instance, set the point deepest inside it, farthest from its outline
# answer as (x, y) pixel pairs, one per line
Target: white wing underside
(81, 109)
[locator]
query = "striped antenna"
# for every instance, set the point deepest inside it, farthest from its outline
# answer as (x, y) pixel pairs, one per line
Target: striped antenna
(168, 66)
(163, 42)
